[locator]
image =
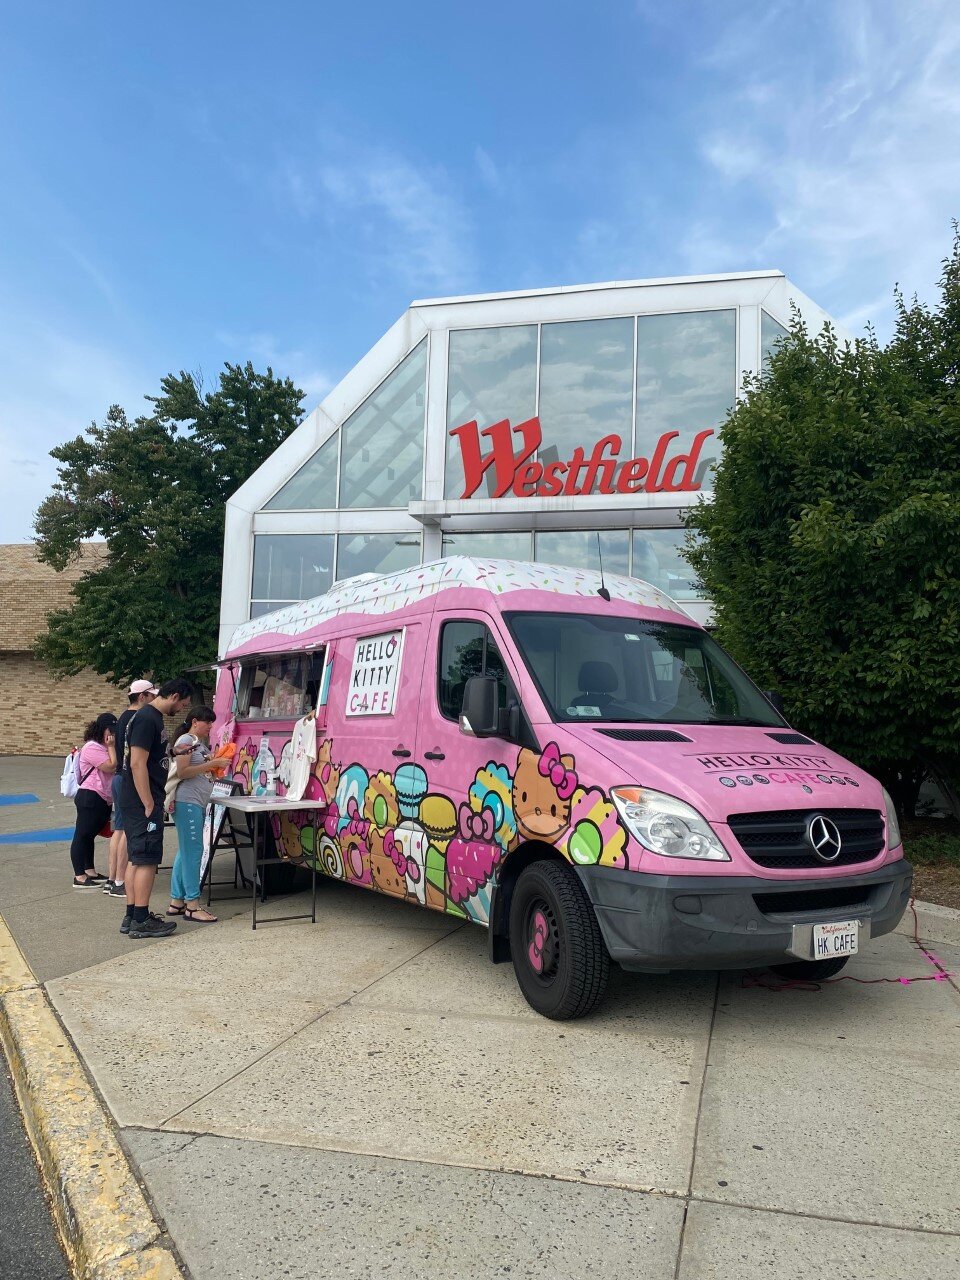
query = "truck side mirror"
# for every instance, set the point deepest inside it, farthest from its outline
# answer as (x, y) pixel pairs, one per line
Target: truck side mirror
(774, 699)
(479, 714)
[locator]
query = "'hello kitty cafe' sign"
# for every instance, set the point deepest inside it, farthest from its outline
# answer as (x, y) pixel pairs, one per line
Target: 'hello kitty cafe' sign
(374, 675)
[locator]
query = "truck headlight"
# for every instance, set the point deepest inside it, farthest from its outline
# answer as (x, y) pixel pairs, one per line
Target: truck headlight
(893, 826)
(664, 824)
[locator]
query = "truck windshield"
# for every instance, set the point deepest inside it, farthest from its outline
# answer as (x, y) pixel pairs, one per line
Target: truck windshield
(591, 667)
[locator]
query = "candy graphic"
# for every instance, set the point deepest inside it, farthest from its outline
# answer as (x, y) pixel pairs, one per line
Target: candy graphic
(595, 835)
(407, 848)
(410, 781)
(439, 817)
(380, 802)
(472, 858)
(328, 859)
(353, 785)
(492, 789)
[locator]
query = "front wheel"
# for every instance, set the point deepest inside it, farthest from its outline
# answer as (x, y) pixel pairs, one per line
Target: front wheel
(810, 970)
(559, 956)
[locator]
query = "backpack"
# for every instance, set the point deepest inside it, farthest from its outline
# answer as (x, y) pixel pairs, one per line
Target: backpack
(71, 780)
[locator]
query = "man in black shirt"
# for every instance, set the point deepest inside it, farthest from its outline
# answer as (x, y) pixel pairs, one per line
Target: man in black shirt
(140, 694)
(141, 802)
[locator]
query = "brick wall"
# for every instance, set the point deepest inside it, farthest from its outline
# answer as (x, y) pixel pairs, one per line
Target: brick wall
(41, 716)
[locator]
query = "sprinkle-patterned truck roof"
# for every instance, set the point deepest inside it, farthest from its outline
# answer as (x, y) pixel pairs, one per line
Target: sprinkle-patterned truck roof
(385, 593)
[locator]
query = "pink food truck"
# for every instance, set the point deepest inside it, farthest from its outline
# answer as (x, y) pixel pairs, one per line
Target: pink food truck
(576, 765)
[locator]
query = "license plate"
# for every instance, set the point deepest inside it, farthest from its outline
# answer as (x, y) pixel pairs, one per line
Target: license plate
(840, 939)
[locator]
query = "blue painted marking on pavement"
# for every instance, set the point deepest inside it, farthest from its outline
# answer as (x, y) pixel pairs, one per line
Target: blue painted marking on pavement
(51, 836)
(23, 798)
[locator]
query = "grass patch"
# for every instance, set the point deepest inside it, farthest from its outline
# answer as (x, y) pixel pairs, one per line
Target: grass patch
(932, 840)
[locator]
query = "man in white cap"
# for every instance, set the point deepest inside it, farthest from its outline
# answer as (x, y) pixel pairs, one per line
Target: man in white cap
(140, 694)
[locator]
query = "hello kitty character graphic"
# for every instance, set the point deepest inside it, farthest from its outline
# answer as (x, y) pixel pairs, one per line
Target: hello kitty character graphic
(543, 787)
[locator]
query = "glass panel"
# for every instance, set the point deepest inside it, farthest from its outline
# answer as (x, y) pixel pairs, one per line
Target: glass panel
(586, 386)
(657, 559)
(376, 553)
(489, 546)
(686, 382)
(492, 375)
(596, 667)
(381, 461)
(314, 486)
(468, 649)
(281, 688)
(291, 566)
(577, 548)
(770, 334)
(259, 607)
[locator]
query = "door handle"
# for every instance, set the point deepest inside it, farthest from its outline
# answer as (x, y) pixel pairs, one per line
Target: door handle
(434, 755)
(401, 751)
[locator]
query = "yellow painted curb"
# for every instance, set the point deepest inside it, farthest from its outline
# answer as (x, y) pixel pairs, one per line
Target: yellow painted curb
(104, 1221)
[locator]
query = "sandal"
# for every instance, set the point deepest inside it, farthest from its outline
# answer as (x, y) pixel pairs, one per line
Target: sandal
(176, 911)
(192, 913)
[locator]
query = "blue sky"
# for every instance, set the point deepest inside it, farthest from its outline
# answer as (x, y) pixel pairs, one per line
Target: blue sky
(193, 183)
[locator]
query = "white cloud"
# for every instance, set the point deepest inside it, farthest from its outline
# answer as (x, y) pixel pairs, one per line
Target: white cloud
(855, 172)
(400, 220)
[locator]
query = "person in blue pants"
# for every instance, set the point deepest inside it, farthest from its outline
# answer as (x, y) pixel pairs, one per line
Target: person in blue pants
(195, 767)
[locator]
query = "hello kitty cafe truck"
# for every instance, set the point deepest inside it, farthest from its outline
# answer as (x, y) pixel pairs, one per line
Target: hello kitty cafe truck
(592, 778)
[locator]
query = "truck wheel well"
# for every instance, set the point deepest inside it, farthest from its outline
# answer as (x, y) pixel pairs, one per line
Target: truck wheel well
(507, 877)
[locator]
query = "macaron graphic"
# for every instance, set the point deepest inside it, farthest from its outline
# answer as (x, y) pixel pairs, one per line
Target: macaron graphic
(439, 818)
(410, 781)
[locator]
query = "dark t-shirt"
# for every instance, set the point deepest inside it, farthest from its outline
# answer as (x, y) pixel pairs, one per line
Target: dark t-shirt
(120, 733)
(147, 730)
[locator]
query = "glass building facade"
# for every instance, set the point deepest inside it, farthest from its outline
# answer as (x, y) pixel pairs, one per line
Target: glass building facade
(560, 426)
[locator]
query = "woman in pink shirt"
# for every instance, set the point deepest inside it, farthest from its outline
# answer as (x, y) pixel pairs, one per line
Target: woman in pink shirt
(95, 767)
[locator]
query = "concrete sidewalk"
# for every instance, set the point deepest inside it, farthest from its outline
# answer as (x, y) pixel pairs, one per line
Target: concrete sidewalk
(368, 1096)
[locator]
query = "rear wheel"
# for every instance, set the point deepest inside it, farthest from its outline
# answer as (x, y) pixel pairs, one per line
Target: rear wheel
(559, 956)
(811, 970)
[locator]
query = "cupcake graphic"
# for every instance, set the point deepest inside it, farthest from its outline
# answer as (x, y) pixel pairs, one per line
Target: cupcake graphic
(472, 857)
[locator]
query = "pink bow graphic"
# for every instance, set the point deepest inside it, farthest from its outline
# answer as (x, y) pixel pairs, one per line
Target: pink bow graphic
(357, 826)
(476, 826)
(551, 766)
(405, 866)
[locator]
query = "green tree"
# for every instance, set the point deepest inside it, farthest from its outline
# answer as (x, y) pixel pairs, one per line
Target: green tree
(831, 546)
(154, 490)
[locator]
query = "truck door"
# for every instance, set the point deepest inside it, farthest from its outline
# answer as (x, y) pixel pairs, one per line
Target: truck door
(466, 810)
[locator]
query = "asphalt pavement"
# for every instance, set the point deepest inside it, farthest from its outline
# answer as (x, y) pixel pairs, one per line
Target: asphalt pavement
(29, 1247)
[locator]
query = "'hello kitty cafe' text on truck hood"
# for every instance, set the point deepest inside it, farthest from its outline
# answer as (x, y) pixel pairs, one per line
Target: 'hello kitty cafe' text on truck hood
(584, 772)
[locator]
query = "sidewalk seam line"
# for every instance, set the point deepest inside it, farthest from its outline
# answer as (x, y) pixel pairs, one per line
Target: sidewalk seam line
(696, 1127)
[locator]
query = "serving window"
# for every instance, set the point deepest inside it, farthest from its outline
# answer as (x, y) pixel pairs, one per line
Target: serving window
(280, 686)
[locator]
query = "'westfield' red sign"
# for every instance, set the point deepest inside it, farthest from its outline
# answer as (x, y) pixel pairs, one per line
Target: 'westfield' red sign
(601, 472)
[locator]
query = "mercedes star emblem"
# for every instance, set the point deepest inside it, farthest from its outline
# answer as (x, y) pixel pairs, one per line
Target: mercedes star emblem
(823, 836)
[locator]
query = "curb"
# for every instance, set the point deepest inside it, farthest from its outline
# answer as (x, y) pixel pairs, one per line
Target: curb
(933, 924)
(105, 1224)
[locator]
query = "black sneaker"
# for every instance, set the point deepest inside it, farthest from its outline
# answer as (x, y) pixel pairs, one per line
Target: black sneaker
(152, 927)
(125, 924)
(84, 882)
(117, 890)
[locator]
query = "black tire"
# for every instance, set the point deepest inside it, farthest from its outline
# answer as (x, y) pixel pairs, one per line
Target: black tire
(810, 970)
(553, 926)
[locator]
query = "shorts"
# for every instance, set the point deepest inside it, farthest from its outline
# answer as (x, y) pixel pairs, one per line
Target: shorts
(116, 818)
(144, 847)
